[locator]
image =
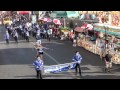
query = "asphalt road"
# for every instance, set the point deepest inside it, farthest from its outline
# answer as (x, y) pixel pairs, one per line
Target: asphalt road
(16, 60)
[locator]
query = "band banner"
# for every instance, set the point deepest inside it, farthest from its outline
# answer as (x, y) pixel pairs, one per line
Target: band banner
(59, 67)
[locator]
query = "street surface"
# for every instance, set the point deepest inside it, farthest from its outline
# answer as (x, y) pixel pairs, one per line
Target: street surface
(16, 60)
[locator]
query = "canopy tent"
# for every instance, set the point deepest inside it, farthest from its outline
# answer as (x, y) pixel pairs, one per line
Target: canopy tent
(64, 14)
(107, 32)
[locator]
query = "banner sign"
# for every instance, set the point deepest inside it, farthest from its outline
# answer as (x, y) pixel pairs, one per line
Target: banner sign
(59, 67)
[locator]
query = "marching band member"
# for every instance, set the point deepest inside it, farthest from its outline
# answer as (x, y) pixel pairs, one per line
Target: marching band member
(39, 49)
(77, 58)
(38, 63)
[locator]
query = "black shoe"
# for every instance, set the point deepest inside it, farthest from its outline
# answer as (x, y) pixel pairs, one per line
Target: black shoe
(105, 69)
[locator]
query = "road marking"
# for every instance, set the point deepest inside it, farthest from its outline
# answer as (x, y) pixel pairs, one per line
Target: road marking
(51, 57)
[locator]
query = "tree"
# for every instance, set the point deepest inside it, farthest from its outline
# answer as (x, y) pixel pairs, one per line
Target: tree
(71, 24)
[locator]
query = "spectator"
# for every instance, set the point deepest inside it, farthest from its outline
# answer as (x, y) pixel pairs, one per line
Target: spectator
(108, 62)
(7, 37)
(49, 33)
(16, 36)
(27, 36)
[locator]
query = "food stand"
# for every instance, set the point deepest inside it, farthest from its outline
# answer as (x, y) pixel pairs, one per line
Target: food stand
(113, 42)
(113, 45)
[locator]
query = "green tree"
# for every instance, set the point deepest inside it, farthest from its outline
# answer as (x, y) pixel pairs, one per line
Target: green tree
(71, 24)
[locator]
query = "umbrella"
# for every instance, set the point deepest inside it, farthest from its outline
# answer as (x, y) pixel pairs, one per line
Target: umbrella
(79, 29)
(23, 12)
(64, 14)
(45, 19)
(57, 21)
(72, 14)
(89, 27)
(84, 26)
(41, 19)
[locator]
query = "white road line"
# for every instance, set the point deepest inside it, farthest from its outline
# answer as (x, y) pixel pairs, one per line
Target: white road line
(51, 57)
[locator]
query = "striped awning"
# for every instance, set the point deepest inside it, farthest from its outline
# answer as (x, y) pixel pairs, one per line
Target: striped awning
(108, 32)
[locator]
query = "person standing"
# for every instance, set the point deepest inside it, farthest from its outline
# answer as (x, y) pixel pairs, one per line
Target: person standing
(38, 38)
(41, 33)
(45, 26)
(74, 40)
(7, 37)
(49, 33)
(40, 50)
(108, 62)
(102, 49)
(77, 59)
(27, 36)
(16, 36)
(38, 63)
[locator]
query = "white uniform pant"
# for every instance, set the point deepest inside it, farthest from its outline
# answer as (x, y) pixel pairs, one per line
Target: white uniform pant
(39, 41)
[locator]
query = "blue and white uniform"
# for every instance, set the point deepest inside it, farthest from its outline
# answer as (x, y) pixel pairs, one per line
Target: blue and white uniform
(7, 36)
(77, 58)
(16, 34)
(38, 65)
(27, 33)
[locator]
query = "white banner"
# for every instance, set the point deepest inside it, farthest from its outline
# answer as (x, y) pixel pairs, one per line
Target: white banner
(59, 67)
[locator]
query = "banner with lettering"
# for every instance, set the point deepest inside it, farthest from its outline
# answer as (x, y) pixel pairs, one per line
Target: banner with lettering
(59, 67)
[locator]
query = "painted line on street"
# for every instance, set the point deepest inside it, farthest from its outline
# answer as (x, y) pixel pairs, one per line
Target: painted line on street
(51, 57)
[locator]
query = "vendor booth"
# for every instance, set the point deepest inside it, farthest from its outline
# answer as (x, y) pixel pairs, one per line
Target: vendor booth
(113, 37)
